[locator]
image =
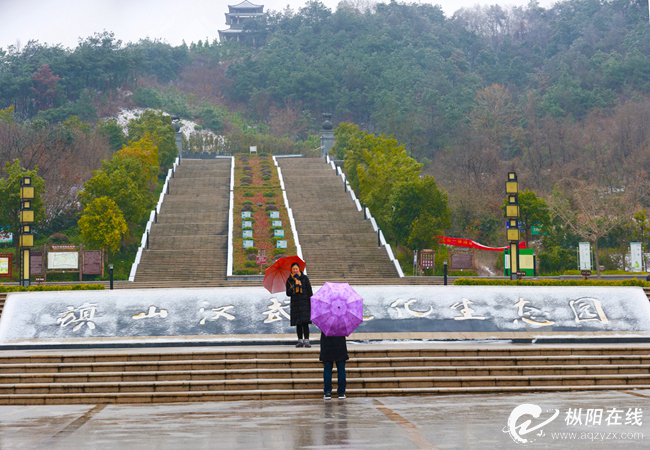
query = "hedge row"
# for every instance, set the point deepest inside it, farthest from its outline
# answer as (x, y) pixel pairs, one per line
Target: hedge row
(488, 282)
(70, 287)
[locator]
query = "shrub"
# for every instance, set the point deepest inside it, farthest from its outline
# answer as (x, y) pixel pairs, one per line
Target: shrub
(59, 238)
(269, 202)
(250, 263)
(248, 194)
(246, 272)
(271, 208)
(73, 287)
(247, 180)
(251, 250)
(557, 260)
(501, 282)
(279, 252)
(248, 207)
(269, 194)
(247, 168)
(251, 257)
(266, 177)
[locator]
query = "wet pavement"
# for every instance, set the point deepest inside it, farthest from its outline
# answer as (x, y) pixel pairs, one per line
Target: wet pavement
(604, 419)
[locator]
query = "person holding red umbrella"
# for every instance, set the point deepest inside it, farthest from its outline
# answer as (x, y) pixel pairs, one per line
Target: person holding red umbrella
(299, 289)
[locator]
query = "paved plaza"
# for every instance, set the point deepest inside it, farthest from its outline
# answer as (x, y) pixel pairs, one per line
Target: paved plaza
(444, 422)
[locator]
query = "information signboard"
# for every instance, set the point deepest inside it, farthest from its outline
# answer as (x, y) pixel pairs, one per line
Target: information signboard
(461, 261)
(275, 214)
(63, 261)
(584, 252)
(5, 265)
(636, 256)
(280, 244)
(92, 262)
(427, 259)
(36, 263)
(5, 236)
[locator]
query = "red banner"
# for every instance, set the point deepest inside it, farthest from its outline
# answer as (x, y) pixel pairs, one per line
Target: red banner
(468, 243)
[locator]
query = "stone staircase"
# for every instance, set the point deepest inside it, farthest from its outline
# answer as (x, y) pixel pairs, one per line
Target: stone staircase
(190, 240)
(184, 375)
(337, 243)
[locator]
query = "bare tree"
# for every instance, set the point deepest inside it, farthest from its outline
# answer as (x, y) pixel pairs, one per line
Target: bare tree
(590, 211)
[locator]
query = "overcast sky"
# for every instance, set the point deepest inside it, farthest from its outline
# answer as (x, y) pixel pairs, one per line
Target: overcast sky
(64, 21)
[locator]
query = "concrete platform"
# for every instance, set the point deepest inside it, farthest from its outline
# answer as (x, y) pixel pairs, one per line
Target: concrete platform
(440, 422)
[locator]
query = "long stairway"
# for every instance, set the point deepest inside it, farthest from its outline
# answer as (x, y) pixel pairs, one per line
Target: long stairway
(190, 240)
(337, 243)
(184, 375)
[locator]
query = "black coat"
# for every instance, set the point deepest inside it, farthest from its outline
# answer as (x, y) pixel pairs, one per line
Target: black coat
(300, 302)
(333, 348)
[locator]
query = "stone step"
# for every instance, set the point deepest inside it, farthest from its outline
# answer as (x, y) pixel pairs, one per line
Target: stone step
(186, 229)
(231, 374)
(357, 367)
(289, 384)
(188, 242)
(472, 355)
(195, 218)
(293, 394)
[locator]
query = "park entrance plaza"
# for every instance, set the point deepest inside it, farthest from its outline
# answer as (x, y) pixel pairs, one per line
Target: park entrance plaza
(188, 354)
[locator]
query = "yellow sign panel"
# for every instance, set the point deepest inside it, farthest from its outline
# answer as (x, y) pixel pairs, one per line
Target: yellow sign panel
(512, 187)
(26, 216)
(526, 261)
(27, 192)
(26, 240)
(513, 234)
(512, 210)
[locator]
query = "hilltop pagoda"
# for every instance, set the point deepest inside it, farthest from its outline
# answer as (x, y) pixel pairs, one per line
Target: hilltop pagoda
(236, 16)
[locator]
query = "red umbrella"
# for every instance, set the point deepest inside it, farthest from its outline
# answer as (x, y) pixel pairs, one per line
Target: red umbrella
(275, 277)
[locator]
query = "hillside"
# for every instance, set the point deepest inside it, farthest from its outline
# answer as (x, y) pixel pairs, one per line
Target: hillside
(557, 94)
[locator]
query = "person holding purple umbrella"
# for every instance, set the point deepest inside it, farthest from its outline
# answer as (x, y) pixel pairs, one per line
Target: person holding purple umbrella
(333, 349)
(299, 289)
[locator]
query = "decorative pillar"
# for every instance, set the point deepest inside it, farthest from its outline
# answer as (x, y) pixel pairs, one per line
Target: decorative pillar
(327, 136)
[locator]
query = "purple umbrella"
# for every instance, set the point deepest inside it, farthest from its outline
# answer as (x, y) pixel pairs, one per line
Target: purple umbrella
(336, 309)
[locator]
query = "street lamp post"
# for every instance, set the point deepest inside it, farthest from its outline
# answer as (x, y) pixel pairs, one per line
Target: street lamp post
(512, 224)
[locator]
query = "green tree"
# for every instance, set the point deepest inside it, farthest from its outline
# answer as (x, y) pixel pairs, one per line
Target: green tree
(118, 186)
(102, 224)
(385, 162)
(10, 197)
(419, 212)
(160, 129)
(111, 131)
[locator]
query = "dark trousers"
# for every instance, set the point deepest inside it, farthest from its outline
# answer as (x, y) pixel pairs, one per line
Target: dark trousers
(327, 376)
(303, 329)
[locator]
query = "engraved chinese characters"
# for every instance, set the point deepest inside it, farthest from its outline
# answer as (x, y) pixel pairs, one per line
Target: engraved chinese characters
(387, 309)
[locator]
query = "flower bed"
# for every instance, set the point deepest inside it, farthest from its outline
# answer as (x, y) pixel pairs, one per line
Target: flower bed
(257, 190)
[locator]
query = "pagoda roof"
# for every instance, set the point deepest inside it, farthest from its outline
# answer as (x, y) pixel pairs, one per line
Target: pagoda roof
(245, 4)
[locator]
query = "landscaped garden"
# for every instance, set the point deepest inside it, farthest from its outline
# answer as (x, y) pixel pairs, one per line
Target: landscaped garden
(261, 222)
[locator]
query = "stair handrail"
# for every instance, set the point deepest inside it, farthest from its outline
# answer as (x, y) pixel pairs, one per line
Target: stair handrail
(292, 222)
(231, 221)
(373, 222)
(152, 218)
